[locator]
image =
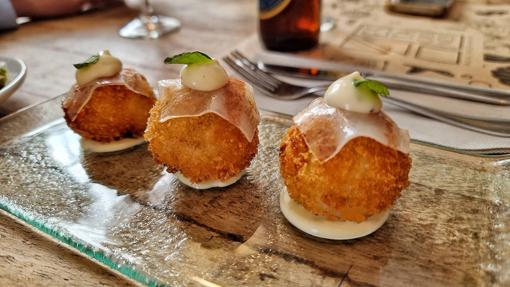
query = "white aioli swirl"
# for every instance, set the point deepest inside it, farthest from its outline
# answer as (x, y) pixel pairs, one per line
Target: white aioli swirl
(344, 95)
(204, 77)
(106, 66)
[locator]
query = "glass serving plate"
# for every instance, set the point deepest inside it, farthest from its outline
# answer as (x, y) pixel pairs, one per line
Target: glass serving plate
(450, 227)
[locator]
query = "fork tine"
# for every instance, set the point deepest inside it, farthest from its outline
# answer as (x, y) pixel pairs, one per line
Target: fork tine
(263, 74)
(250, 77)
(246, 65)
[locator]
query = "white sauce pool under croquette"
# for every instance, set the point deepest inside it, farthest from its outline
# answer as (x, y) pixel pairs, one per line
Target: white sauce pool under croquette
(210, 183)
(113, 146)
(321, 227)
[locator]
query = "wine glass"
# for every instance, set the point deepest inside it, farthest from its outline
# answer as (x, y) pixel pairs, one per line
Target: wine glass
(148, 24)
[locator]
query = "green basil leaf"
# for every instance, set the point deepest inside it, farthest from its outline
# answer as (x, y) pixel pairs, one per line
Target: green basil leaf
(90, 61)
(3, 74)
(376, 87)
(189, 58)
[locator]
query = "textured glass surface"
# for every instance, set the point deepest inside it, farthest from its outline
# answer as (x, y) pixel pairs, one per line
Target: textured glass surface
(450, 227)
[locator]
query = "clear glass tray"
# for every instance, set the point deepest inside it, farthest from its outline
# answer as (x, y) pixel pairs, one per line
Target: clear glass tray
(450, 227)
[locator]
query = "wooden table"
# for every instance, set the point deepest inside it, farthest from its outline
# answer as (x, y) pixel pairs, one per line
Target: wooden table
(48, 49)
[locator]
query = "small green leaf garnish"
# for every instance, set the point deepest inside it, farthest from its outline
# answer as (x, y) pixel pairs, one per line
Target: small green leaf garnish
(90, 61)
(189, 58)
(3, 77)
(376, 87)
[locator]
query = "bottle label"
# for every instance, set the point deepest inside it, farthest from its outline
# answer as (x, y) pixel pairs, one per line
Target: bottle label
(270, 8)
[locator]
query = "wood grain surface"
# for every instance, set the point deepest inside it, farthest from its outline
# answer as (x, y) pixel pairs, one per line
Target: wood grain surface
(28, 258)
(49, 48)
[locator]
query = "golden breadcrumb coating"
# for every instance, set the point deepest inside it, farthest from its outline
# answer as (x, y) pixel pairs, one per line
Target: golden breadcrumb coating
(363, 179)
(201, 148)
(112, 113)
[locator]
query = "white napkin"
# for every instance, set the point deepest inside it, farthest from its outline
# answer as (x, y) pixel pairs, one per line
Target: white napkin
(420, 128)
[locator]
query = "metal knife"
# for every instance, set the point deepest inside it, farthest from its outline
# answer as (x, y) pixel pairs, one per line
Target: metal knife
(413, 84)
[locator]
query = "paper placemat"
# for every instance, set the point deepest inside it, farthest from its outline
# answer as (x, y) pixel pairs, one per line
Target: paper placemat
(471, 45)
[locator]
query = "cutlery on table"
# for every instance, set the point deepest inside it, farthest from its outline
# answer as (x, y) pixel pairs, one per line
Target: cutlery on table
(438, 88)
(270, 86)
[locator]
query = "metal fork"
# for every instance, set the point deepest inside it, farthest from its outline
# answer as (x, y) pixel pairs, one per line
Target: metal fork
(270, 86)
(267, 83)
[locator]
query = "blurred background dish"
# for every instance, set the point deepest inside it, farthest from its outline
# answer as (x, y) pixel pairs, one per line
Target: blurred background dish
(16, 72)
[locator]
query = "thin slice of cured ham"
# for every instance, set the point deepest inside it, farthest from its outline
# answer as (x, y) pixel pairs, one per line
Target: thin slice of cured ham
(327, 129)
(234, 102)
(79, 96)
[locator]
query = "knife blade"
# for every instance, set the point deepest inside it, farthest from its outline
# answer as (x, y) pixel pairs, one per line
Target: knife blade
(305, 73)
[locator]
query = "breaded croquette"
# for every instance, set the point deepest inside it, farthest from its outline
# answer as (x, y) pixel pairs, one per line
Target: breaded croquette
(112, 113)
(202, 148)
(364, 178)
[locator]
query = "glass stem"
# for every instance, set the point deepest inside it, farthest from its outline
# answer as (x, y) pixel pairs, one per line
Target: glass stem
(147, 9)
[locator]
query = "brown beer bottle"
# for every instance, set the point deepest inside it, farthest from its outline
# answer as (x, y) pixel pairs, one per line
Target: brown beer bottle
(289, 25)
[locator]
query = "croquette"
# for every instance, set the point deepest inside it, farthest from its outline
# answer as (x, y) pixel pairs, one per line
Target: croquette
(364, 178)
(113, 112)
(202, 148)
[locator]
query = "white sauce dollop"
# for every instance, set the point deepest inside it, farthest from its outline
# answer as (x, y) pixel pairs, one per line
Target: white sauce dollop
(106, 66)
(343, 94)
(319, 226)
(204, 77)
(210, 183)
